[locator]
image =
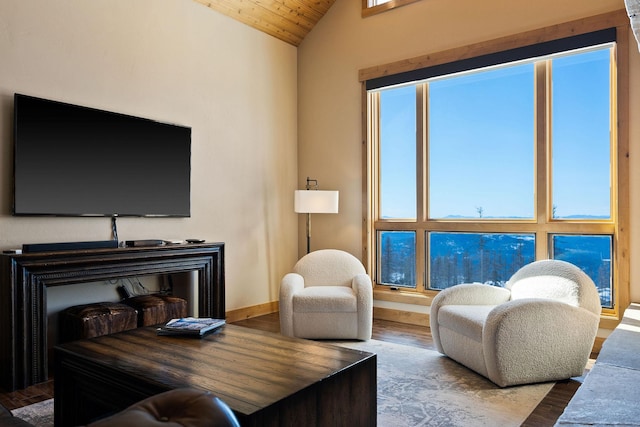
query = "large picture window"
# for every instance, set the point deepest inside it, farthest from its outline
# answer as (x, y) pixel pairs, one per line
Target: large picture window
(477, 168)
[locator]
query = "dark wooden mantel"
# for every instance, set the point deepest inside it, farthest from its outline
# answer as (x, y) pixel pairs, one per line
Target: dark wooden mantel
(23, 297)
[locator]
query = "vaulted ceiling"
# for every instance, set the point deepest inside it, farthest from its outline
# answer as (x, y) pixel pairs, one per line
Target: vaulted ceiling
(287, 20)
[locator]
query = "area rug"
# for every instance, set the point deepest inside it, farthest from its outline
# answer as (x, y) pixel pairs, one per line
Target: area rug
(39, 414)
(416, 387)
(420, 387)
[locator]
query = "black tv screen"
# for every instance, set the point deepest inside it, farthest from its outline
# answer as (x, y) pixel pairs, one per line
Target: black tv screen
(77, 161)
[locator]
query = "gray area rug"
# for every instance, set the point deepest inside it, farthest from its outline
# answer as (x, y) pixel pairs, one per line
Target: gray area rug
(419, 387)
(39, 414)
(416, 387)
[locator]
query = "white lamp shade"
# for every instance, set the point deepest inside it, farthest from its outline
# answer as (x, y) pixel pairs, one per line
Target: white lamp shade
(316, 201)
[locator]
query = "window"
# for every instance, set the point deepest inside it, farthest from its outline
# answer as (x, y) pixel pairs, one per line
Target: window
(592, 253)
(480, 130)
(478, 167)
(373, 7)
(489, 258)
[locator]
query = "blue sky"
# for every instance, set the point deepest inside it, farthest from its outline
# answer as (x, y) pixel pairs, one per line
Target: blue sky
(482, 142)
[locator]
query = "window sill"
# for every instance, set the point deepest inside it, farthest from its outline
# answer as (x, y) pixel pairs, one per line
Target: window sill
(404, 297)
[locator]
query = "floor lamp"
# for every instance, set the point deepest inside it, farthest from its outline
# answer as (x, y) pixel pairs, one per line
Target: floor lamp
(311, 200)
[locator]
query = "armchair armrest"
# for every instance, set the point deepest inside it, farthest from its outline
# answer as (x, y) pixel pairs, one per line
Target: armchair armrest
(472, 294)
(467, 294)
(363, 288)
(464, 294)
(291, 283)
(532, 340)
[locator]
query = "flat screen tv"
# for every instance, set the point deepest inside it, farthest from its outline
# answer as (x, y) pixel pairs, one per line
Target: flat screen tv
(71, 160)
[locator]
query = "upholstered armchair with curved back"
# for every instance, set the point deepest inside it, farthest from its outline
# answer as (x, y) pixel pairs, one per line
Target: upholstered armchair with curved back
(328, 295)
(540, 327)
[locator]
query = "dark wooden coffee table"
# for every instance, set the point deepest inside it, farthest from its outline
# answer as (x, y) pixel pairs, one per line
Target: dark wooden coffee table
(267, 379)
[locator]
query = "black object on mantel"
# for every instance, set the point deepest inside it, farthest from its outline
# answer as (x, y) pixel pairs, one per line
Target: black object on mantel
(68, 246)
(144, 242)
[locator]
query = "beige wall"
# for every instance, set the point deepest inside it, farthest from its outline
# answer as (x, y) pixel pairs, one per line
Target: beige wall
(329, 58)
(179, 62)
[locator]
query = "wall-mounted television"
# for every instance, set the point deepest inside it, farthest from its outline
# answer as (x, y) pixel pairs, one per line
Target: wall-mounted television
(71, 160)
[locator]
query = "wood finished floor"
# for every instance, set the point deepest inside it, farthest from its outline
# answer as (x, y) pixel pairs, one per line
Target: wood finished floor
(545, 414)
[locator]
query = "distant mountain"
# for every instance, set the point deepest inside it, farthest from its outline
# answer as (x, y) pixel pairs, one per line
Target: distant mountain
(489, 258)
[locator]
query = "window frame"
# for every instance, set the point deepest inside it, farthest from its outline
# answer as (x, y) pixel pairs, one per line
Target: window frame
(391, 4)
(544, 229)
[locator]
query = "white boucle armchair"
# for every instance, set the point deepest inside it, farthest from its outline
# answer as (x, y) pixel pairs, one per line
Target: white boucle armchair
(328, 295)
(540, 327)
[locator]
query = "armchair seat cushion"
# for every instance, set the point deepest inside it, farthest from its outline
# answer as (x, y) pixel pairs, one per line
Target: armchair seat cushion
(325, 299)
(467, 320)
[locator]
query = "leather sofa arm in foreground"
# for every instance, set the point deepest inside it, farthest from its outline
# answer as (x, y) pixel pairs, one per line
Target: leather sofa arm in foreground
(184, 407)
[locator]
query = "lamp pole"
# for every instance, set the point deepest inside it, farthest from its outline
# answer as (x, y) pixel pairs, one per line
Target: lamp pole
(308, 187)
(308, 232)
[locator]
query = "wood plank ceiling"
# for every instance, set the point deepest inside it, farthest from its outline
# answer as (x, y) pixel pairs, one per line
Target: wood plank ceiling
(287, 20)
